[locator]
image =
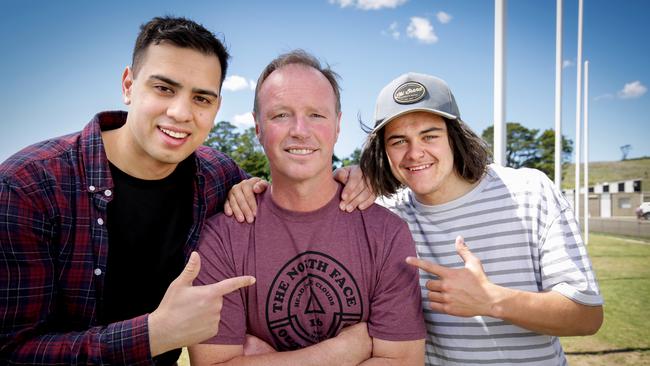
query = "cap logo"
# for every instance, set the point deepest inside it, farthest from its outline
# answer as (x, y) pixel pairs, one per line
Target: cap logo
(409, 93)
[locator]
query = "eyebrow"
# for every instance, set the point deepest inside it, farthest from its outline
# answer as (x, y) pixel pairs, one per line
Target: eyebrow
(432, 129)
(179, 85)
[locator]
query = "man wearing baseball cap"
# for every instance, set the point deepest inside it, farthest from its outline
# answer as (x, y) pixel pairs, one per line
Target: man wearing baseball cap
(521, 275)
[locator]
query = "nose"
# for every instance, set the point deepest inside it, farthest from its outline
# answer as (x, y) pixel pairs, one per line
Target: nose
(300, 127)
(415, 151)
(180, 110)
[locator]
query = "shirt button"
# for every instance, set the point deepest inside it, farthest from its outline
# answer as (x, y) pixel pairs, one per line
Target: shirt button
(98, 271)
(91, 188)
(100, 221)
(108, 193)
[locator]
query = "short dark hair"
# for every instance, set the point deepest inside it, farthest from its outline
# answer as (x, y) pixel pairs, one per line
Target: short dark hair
(471, 157)
(180, 32)
(299, 57)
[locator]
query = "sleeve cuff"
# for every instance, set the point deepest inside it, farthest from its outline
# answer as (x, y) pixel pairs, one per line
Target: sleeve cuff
(127, 342)
(584, 298)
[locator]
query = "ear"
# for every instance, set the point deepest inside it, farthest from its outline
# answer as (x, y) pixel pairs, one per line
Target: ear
(127, 84)
(258, 128)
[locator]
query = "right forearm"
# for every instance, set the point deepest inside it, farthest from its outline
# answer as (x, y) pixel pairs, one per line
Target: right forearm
(556, 314)
(351, 346)
(117, 343)
(329, 352)
(317, 354)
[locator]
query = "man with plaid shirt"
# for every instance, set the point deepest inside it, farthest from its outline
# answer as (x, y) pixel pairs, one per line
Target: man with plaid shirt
(94, 226)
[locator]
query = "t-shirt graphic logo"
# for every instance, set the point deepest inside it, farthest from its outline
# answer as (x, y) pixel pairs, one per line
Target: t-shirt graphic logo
(311, 297)
(314, 306)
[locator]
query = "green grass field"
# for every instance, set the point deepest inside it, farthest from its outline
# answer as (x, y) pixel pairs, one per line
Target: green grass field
(622, 268)
(623, 272)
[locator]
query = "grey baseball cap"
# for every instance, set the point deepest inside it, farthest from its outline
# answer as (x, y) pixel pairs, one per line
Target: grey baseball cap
(413, 92)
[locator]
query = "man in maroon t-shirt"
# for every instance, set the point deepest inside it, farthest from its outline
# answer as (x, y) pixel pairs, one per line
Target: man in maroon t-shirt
(332, 286)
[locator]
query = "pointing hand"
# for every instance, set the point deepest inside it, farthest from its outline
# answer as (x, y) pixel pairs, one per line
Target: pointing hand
(462, 292)
(190, 314)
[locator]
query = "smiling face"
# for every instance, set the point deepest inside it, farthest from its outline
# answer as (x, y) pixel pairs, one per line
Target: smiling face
(297, 123)
(173, 100)
(421, 157)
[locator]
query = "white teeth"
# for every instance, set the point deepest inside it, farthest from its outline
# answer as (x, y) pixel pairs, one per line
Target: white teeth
(300, 151)
(413, 169)
(174, 134)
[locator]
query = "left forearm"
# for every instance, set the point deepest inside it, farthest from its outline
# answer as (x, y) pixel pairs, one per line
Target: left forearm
(396, 353)
(546, 313)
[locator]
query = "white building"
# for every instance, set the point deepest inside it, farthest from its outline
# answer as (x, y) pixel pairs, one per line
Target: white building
(613, 199)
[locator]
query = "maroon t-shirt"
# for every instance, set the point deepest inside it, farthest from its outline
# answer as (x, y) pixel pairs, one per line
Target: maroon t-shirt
(317, 272)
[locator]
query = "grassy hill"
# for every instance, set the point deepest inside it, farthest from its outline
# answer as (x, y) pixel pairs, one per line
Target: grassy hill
(610, 171)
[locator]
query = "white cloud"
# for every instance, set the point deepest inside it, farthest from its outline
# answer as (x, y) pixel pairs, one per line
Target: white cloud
(567, 63)
(632, 90)
(443, 17)
(236, 83)
(369, 4)
(343, 3)
(604, 96)
(422, 30)
(244, 120)
(252, 85)
(392, 31)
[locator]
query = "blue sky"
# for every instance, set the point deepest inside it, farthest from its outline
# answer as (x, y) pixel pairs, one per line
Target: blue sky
(62, 60)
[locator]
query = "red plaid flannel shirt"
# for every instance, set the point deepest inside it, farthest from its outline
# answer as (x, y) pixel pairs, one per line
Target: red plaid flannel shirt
(54, 248)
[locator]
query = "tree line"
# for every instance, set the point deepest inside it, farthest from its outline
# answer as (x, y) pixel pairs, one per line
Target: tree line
(530, 147)
(525, 147)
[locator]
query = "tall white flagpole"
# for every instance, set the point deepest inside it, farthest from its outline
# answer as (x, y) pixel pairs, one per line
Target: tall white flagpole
(499, 82)
(558, 96)
(576, 207)
(586, 153)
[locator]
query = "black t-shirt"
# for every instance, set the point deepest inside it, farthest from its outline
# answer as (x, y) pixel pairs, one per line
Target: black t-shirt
(148, 224)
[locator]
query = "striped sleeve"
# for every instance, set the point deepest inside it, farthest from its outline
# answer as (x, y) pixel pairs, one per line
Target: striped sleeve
(565, 265)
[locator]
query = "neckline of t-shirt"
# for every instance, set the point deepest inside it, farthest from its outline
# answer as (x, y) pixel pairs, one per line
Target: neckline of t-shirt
(308, 216)
(458, 201)
(180, 173)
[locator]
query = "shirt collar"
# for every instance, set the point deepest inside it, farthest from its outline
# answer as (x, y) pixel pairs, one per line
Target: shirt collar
(97, 175)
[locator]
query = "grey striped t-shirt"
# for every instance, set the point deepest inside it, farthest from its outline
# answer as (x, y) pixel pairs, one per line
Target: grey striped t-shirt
(526, 236)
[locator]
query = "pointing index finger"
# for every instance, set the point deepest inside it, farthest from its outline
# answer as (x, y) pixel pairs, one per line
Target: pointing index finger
(231, 284)
(427, 266)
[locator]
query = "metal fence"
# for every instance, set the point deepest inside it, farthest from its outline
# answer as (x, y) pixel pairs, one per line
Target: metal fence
(620, 226)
